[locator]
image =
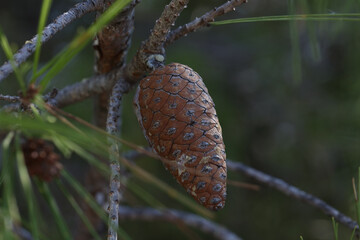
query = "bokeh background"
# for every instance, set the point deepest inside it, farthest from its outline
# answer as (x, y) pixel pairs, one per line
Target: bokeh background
(286, 93)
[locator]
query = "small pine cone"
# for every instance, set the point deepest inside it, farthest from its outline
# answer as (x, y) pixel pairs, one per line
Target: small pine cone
(179, 121)
(41, 160)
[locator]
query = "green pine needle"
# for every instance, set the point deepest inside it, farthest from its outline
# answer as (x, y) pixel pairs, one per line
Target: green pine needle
(297, 17)
(27, 188)
(336, 228)
(54, 208)
(43, 17)
(295, 47)
(78, 209)
(357, 200)
(144, 195)
(353, 233)
(86, 196)
(9, 212)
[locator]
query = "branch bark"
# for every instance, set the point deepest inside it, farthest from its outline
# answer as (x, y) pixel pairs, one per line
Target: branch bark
(202, 21)
(86, 88)
(49, 31)
(293, 192)
(113, 127)
(170, 215)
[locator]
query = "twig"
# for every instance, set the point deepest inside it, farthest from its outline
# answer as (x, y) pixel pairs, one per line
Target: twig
(203, 20)
(154, 45)
(293, 192)
(86, 88)
(113, 127)
(49, 31)
(170, 215)
(12, 99)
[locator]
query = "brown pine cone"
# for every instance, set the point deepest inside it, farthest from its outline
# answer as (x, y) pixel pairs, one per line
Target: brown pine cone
(179, 120)
(41, 160)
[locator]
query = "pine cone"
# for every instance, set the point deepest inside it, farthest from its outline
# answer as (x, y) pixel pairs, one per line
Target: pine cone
(179, 120)
(41, 160)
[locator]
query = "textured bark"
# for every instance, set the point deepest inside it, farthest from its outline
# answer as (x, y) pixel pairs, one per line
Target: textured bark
(203, 20)
(12, 99)
(86, 88)
(113, 126)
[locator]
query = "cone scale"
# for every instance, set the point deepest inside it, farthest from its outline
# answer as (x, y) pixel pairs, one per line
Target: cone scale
(179, 120)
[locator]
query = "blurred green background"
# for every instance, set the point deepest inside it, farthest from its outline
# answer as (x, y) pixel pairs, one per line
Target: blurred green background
(286, 93)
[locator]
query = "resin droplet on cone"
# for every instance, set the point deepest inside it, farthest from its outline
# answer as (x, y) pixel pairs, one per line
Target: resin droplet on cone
(179, 121)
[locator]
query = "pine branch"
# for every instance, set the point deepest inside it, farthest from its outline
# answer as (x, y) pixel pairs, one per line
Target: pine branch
(113, 127)
(170, 215)
(12, 99)
(203, 20)
(154, 45)
(86, 88)
(293, 192)
(49, 31)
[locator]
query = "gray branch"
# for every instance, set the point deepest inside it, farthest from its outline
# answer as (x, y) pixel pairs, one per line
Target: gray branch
(203, 20)
(49, 31)
(292, 191)
(12, 99)
(175, 216)
(113, 127)
(155, 43)
(86, 88)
